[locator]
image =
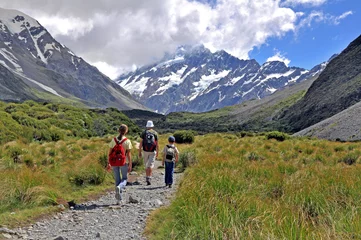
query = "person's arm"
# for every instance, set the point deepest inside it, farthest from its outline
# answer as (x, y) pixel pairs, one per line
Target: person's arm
(109, 167)
(130, 164)
(157, 149)
(176, 155)
(163, 159)
(140, 148)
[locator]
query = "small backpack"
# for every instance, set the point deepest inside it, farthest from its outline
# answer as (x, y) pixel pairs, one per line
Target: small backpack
(149, 142)
(170, 153)
(117, 157)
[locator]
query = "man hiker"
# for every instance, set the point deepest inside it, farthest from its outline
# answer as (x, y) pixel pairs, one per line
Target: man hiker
(149, 145)
(170, 157)
(120, 160)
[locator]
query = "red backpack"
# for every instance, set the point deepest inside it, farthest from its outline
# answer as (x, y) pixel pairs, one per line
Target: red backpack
(117, 157)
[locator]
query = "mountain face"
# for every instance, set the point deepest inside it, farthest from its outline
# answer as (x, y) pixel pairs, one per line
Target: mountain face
(337, 88)
(197, 80)
(33, 65)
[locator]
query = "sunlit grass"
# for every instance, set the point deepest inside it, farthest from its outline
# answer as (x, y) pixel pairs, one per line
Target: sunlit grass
(253, 188)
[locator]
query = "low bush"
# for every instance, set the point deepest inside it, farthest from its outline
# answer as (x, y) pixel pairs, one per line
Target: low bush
(279, 136)
(184, 136)
(187, 158)
(350, 159)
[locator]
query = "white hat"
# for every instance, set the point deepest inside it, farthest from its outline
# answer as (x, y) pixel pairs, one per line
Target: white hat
(150, 124)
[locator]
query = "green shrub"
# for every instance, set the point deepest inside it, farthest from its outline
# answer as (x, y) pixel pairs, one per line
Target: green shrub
(93, 175)
(350, 159)
(184, 136)
(103, 160)
(14, 152)
(254, 157)
(187, 158)
(279, 136)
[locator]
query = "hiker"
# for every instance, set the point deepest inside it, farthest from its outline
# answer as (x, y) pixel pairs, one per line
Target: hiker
(149, 145)
(120, 160)
(170, 157)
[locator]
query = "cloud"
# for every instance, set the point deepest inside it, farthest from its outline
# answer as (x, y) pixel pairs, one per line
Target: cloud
(279, 57)
(318, 16)
(303, 2)
(117, 34)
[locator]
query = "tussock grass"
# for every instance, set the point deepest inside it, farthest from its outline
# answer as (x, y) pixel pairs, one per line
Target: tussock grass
(253, 188)
(39, 175)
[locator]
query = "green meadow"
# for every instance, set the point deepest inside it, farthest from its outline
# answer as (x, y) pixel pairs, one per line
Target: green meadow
(259, 188)
(235, 186)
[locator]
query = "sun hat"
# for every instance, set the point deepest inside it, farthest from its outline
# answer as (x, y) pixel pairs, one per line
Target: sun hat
(171, 139)
(149, 124)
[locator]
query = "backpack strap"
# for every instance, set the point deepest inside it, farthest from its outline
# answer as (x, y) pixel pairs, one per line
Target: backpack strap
(170, 146)
(125, 139)
(116, 141)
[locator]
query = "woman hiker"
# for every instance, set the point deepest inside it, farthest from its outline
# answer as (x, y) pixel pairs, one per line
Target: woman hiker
(120, 160)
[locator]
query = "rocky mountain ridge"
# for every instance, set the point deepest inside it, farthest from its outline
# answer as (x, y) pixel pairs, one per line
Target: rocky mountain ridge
(195, 79)
(44, 68)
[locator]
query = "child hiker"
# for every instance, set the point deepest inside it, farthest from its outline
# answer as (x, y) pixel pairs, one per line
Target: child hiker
(120, 160)
(170, 157)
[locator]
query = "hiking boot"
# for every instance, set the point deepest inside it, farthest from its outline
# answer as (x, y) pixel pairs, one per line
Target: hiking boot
(170, 185)
(148, 183)
(117, 193)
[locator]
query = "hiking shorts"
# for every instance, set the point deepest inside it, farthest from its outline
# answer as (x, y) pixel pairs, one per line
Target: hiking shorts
(149, 159)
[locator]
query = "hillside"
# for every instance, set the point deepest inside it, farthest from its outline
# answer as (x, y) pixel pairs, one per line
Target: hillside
(256, 115)
(344, 126)
(36, 66)
(337, 88)
(52, 122)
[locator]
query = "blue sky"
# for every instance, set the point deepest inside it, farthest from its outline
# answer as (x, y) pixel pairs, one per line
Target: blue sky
(315, 44)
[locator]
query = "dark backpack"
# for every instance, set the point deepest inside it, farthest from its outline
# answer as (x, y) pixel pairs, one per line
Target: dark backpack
(170, 153)
(149, 142)
(117, 157)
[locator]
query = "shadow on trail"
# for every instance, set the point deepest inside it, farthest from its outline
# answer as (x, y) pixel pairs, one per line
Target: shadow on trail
(83, 207)
(151, 188)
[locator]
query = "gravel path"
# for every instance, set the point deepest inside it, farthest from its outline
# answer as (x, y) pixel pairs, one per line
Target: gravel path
(102, 219)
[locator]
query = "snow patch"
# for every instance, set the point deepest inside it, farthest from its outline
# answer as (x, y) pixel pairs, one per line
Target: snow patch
(170, 62)
(8, 16)
(271, 90)
(22, 39)
(207, 80)
(138, 86)
(12, 59)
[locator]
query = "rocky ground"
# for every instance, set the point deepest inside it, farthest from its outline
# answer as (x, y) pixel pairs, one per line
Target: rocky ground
(102, 218)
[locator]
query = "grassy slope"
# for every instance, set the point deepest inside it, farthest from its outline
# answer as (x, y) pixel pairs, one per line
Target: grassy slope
(337, 88)
(256, 115)
(52, 153)
(252, 188)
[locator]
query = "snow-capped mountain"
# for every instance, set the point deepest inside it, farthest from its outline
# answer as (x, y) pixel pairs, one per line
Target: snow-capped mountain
(195, 79)
(32, 59)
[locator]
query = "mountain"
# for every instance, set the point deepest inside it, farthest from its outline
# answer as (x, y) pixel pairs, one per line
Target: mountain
(337, 88)
(195, 79)
(252, 115)
(35, 66)
(344, 126)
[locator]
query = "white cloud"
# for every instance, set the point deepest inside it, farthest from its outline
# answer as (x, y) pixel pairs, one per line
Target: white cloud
(318, 16)
(111, 71)
(119, 34)
(279, 57)
(304, 2)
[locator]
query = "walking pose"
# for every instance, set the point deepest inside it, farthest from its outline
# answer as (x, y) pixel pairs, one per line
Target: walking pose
(170, 157)
(149, 145)
(120, 160)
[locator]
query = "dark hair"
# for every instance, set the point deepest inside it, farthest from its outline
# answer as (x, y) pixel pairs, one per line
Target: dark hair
(123, 129)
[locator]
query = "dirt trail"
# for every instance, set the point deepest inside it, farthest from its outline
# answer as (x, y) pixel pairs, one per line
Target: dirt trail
(102, 218)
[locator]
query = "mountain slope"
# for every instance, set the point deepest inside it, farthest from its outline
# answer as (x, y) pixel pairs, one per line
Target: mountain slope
(344, 126)
(256, 115)
(196, 80)
(337, 88)
(32, 56)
